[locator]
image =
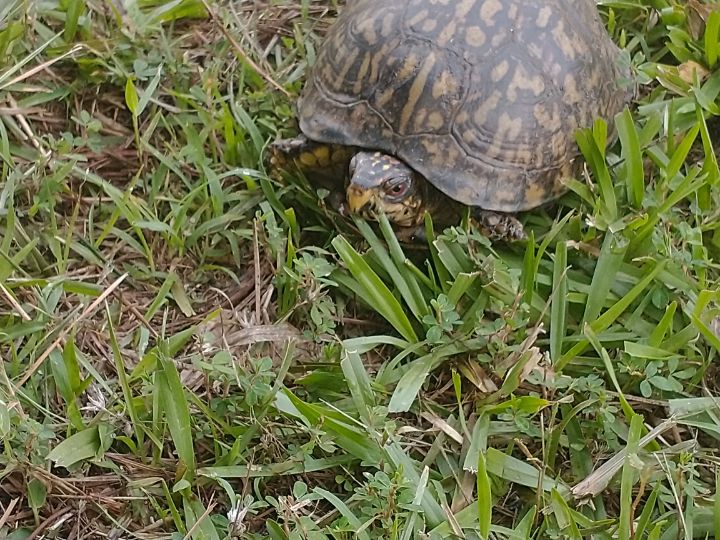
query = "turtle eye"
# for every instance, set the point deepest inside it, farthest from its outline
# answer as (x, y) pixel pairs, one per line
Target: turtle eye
(397, 188)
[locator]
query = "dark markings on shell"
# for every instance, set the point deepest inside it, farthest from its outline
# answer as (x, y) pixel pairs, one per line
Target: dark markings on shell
(481, 97)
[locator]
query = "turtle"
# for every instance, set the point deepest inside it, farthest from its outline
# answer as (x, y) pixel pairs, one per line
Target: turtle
(418, 106)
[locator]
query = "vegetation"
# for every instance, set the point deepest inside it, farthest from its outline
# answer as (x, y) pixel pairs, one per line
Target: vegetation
(192, 348)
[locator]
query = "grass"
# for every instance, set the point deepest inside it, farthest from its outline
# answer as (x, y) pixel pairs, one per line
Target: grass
(193, 349)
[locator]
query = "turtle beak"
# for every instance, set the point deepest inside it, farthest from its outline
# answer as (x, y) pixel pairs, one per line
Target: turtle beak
(358, 198)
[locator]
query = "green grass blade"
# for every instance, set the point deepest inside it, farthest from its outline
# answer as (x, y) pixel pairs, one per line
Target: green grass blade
(664, 327)
(521, 472)
(410, 528)
(374, 291)
(355, 524)
(627, 479)
(529, 269)
(564, 516)
(394, 264)
(594, 154)
(484, 498)
(460, 286)
(712, 39)
(359, 384)
(76, 448)
(612, 313)
(417, 371)
(716, 504)
(611, 257)
(177, 414)
(348, 434)
(681, 153)
(124, 383)
(197, 519)
(558, 306)
(647, 512)
(74, 9)
(632, 156)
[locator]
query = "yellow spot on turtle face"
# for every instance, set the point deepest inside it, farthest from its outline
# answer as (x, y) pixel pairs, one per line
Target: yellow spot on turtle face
(445, 85)
(543, 17)
(386, 167)
(474, 36)
(488, 11)
(499, 71)
(308, 159)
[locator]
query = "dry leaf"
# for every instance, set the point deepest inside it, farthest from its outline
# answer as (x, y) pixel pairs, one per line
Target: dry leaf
(475, 373)
(691, 70)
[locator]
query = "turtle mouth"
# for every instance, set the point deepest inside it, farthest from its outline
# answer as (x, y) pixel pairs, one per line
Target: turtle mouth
(361, 201)
(369, 203)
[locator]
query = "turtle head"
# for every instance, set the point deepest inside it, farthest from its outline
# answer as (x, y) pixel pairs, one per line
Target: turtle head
(380, 182)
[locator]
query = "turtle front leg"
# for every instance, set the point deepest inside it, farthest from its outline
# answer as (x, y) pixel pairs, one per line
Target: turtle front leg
(495, 226)
(326, 162)
(324, 165)
(499, 226)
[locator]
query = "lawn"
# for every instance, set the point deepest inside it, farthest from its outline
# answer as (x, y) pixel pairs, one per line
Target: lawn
(195, 348)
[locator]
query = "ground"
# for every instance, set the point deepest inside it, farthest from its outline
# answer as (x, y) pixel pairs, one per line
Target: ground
(193, 348)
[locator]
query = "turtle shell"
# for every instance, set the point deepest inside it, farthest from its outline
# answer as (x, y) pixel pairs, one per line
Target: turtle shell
(481, 97)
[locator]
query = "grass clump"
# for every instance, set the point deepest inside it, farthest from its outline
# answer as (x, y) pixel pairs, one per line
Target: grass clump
(194, 349)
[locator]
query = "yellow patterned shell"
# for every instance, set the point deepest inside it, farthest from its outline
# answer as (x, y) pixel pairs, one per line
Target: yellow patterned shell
(481, 97)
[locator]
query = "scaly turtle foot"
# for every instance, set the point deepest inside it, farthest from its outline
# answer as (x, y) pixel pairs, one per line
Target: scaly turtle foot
(499, 226)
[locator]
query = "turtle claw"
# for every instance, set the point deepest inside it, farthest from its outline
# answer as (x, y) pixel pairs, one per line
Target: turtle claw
(497, 226)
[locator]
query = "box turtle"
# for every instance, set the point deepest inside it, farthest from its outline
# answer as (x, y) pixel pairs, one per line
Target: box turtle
(435, 105)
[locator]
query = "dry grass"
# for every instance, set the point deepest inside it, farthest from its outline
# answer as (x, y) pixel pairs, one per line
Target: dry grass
(185, 354)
